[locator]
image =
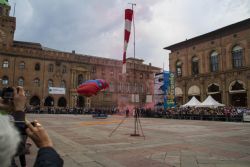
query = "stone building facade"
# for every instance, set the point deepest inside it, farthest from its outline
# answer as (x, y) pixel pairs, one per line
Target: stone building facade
(37, 68)
(216, 64)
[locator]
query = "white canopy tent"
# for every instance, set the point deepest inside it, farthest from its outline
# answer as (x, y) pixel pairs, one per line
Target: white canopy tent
(192, 103)
(210, 102)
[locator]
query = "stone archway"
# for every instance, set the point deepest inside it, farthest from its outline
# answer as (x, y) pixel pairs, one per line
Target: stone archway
(35, 101)
(238, 94)
(194, 91)
(214, 91)
(80, 101)
(49, 101)
(62, 102)
(178, 96)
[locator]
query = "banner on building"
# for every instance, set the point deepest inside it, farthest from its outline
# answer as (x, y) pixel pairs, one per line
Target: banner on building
(168, 88)
(57, 91)
(171, 91)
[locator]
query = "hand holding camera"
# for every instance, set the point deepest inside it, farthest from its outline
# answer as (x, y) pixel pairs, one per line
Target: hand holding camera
(19, 99)
(13, 97)
(38, 134)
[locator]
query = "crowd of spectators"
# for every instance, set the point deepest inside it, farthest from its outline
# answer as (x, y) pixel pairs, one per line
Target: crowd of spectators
(70, 110)
(193, 113)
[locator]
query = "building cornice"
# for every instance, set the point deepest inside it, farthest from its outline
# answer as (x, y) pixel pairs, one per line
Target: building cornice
(228, 30)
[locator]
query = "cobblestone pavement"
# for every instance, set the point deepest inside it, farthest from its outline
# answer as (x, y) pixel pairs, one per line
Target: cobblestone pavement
(84, 141)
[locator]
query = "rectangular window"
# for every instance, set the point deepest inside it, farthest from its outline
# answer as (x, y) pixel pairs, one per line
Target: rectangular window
(22, 65)
(51, 68)
(179, 71)
(237, 59)
(64, 69)
(214, 64)
(5, 64)
(195, 68)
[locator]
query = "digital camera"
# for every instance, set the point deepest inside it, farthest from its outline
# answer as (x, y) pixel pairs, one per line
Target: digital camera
(7, 93)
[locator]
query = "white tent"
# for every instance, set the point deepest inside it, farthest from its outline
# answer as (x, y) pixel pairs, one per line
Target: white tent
(192, 103)
(210, 102)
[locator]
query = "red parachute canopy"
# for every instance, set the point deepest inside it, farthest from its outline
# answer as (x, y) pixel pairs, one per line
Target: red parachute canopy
(92, 87)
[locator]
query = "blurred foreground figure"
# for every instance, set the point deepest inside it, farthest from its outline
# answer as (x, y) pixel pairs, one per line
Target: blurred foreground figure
(9, 139)
(10, 135)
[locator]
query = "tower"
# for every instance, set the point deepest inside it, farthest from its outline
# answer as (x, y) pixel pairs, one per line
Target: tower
(7, 25)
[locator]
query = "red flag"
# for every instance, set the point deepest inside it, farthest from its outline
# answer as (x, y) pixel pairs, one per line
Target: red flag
(128, 21)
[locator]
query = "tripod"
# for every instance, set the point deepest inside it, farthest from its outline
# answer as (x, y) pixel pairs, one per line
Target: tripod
(137, 124)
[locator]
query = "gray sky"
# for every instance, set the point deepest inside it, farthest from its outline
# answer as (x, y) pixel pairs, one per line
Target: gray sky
(96, 27)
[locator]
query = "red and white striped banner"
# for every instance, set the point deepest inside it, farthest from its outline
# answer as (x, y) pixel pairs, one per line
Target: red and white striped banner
(128, 21)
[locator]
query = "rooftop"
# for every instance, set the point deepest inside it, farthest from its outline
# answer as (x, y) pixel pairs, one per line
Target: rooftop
(233, 28)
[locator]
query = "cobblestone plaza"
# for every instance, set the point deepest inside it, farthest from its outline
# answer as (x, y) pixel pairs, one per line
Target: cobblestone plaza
(84, 141)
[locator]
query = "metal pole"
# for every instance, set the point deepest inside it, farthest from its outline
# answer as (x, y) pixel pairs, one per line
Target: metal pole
(135, 112)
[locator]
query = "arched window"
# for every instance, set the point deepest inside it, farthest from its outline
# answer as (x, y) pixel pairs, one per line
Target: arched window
(141, 88)
(135, 87)
(36, 82)
(51, 68)
(80, 79)
(50, 83)
(213, 88)
(5, 80)
(94, 69)
(20, 81)
(111, 72)
(111, 87)
(62, 102)
(37, 67)
(5, 64)
(214, 64)
(195, 65)
(141, 75)
(63, 84)
(35, 101)
(179, 68)
(21, 65)
(49, 101)
(237, 56)
(128, 87)
(119, 87)
(64, 69)
(237, 86)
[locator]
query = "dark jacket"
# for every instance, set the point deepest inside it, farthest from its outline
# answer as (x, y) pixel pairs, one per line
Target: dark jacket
(48, 157)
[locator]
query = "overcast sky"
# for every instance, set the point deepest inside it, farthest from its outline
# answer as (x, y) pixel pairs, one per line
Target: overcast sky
(96, 27)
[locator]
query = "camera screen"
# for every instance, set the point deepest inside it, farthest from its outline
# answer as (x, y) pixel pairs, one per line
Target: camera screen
(7, 93)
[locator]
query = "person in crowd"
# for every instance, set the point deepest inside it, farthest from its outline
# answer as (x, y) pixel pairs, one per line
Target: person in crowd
(10, 135)
(127, 112)
(19, 121)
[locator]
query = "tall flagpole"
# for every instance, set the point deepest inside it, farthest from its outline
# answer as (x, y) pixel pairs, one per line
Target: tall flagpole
(136, 127)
